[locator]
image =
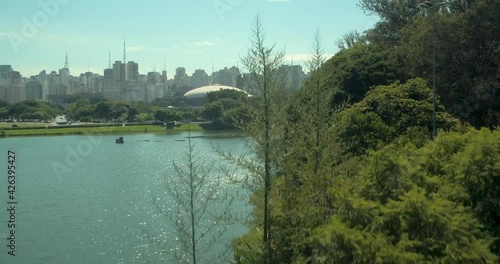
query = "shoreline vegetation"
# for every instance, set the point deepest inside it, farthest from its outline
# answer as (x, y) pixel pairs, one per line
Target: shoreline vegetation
(28, 131)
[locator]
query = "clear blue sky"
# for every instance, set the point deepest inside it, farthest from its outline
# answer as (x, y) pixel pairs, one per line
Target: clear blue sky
(186, 33)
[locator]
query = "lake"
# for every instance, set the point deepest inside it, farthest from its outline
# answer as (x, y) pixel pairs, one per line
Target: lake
(85, 199)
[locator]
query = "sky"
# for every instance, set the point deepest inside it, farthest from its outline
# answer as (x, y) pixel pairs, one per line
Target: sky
(195, 34)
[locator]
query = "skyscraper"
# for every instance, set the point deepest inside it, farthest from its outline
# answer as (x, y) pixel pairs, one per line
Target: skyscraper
(164, 80)
(119, 72)
(64, 74)
(180, 78)
(6, 72)
(34, 90)
(132, 71)
(199, 78)
(108, 74)
(226, 76)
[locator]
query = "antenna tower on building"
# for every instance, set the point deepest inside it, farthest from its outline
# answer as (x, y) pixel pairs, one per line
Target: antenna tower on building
(124, 51)
(66, 62)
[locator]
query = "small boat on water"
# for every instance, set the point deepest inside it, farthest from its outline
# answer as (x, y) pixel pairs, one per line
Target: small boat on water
(119, 140)
(180, 140)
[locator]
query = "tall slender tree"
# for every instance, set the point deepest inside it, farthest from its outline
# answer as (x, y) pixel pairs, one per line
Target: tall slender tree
(199, 212)
(263, 63)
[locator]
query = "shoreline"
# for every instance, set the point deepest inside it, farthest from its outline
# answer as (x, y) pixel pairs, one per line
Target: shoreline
(108, 130)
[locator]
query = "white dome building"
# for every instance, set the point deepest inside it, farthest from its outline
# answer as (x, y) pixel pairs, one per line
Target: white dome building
(201, 92)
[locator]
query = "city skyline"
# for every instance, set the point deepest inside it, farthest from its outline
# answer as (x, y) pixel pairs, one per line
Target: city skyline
(194, 35)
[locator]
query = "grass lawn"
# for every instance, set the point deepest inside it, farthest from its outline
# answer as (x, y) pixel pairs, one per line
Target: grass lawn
(9, 125)
(98, 130)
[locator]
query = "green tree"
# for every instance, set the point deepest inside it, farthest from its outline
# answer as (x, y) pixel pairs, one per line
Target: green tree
(405, 105)
(17, 109)
(226, 93)
(131, 113)
(212, 111)
(353, 72)
(103, 110)
(119, 111)
(350, 39)
(466, 59)
(416, 228)
(167, 115)
(395, 207)
(3, 103)
(394, 15)
(85, 113)
(470, 164)
(238, 116)
(143, 117)
(32, 109)
(266, 128)
(4, 113)
(362, 132)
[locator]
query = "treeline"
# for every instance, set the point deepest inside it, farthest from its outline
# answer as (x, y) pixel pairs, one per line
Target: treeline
(29, 110)
(224, 108)
(348, 172)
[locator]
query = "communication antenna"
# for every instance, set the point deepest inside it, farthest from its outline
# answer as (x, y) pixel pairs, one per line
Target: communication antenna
(66, 62)
(124, 50)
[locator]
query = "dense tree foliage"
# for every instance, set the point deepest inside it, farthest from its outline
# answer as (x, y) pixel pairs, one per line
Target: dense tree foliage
(167, 115)
(227, 109)
(389, 111)
(360, 180)
(107, 110)
(354, 71)
(30, 110)
(467, 58)
(226, 93)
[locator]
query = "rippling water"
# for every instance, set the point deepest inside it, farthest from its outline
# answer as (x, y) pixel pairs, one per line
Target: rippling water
(96, 206)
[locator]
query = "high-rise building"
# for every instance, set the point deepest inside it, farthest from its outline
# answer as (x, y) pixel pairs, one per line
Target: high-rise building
(125, 71)
(180, 73)
(112, 90)
(42, 78)
(226, 76)
(34, 90)
(88, 80)
(295, 77)
(199, 78)
(181, 78)
(132, 71)
(55, 87)
(6, 72)
(64, 74)
(108, 74)
(154, 78)
(16, 78)
(12, 90)
(135, 91)
(164, 89)
(119, 72)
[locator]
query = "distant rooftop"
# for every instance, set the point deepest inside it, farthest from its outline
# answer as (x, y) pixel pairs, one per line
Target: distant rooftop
(202, 91)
